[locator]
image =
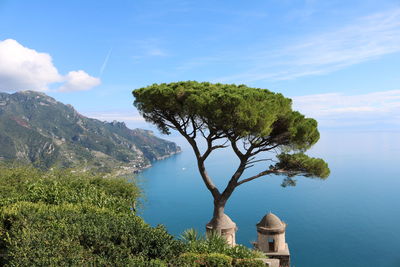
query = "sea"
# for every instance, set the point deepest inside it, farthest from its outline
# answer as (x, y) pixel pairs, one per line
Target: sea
(351, 219)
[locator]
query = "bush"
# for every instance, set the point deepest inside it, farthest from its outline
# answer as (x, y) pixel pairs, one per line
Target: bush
(62, 218)
(66, 186)
(41, 234)
(189, 259)
(202, 260)
(248, 263)
(141, 262)
(242, 252)
(196, 243)
(217, 260)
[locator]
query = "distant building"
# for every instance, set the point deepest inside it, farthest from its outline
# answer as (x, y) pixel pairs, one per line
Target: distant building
(271, 239)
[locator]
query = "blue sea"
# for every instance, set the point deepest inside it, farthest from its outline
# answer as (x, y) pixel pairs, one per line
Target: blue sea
(350, 219)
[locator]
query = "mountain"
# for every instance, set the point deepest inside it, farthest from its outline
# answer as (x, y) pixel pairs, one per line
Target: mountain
(37, 129)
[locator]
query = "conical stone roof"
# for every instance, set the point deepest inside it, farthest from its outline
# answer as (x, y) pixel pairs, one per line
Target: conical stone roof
(271, 222)
(224, 223)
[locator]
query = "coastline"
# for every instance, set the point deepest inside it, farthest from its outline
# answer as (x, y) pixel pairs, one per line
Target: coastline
(124, 170)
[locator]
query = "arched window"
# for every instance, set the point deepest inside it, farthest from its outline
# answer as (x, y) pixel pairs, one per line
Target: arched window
(271, 243)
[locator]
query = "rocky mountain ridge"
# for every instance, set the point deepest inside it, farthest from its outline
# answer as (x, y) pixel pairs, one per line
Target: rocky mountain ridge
(37, 129)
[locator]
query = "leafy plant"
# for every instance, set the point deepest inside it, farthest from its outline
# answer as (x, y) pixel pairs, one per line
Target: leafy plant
(214, 243)
(191, 235)
(199, 260)
(248, 263)
(65, 218)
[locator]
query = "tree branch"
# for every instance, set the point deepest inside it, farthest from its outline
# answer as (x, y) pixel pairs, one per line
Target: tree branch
(233, 182)
(200, 163)
(193, 133)
(210, 149)
(264, 149)
(237, 151)
(259, 160)
(261, 174)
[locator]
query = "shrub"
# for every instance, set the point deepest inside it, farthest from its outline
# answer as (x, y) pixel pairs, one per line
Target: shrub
(217, 260)
(141, 262)
(191, 235)
(62, 218)
(66, 186)
(189, 259)
(242, 252)
(196, 243)
(41, 234)
(248, 263)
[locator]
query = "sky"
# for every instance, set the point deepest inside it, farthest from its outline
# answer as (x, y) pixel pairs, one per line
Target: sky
(338, 60)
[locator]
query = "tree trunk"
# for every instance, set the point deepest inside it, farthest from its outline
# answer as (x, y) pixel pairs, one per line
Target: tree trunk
(219, 211)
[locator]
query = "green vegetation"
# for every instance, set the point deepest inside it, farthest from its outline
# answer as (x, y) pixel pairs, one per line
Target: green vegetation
(259, 125)
(69, 218)
(191, 259)
(214, 243)
(214, 251)
(67, 139)
(64, 218)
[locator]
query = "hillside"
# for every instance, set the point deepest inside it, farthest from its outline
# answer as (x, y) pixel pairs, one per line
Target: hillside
(37, 129)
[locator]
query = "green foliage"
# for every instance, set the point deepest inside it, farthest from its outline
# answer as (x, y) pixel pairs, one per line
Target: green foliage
(242, 252)
(63, 218)
(248, 263)
(191, 235)
(301, 164)
(189, 259)
(199, 260)
(68, 234)
(65, 186)
(214, 243)
(217, 260)
(232, 109)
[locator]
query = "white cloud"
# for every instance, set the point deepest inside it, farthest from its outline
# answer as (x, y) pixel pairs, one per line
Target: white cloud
(340, 110)
(366, 38)
(78, 81)
(23, 68)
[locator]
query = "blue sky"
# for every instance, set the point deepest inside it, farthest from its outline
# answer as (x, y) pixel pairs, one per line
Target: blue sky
(338, 60)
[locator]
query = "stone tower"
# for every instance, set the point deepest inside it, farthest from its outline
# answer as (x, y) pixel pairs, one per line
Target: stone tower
(227, 226)
(271, 239)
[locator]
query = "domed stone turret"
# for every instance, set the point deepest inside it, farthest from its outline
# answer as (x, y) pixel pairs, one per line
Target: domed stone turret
(271, 239)
(271, 223)
(227, 228)
(224, 223)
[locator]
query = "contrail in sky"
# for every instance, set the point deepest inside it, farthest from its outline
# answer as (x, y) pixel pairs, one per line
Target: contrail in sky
(103, 67)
